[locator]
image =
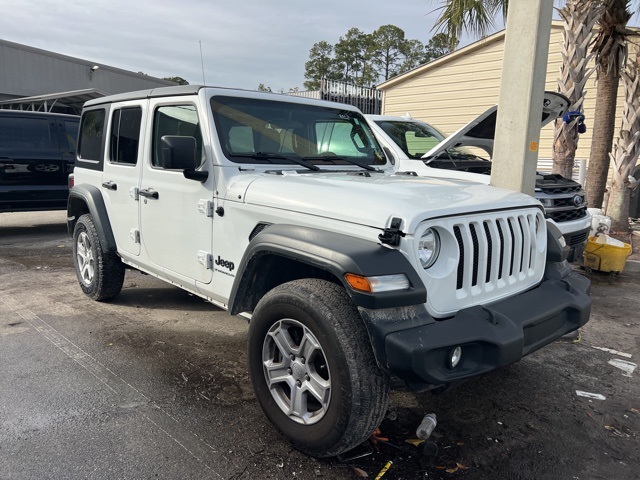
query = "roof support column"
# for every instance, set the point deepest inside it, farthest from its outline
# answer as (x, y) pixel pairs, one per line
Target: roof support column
(524, 69)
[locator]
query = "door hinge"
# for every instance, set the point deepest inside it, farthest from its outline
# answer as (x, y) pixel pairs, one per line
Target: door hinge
(206, 259)
(206, 207)
(135, 235)
(391, 235)
(134, 192)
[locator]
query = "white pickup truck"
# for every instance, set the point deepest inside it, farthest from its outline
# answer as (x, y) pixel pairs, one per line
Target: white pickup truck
(419, 147)
(286, 211)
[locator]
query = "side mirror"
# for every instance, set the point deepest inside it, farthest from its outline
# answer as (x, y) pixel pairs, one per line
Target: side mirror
(178, 153)
(181, 153)
(389, 154)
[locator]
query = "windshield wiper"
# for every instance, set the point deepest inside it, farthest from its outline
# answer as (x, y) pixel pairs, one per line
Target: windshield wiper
(344, 159)
(268, 156)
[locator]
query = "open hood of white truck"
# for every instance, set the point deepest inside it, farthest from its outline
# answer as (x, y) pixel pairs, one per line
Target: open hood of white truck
(481, 131)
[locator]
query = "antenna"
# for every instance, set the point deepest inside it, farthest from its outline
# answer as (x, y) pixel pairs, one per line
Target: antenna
(202, 63)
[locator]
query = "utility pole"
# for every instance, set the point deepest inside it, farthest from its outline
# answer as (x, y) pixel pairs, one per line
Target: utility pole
(524, 69)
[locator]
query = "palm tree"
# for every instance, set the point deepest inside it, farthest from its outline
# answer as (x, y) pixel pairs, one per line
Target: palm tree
(611, 52)
(626, 149)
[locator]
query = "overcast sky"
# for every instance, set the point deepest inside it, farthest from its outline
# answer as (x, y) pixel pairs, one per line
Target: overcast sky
(244, 42)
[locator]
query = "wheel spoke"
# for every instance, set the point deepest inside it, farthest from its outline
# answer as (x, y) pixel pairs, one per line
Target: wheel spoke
(298, 404)
(319, 388)
(283, 341)
(278, 372)
(309, 345)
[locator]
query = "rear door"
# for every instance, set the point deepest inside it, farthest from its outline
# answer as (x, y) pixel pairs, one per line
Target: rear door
(121, 173)
(32, 174)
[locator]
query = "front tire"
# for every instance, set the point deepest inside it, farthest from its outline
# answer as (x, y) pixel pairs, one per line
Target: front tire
(313, 369)
(99, 273)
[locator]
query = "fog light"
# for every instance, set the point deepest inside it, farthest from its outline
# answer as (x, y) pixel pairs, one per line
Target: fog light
(455, 357)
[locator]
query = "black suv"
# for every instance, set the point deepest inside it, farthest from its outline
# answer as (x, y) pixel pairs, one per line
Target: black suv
(37, 153)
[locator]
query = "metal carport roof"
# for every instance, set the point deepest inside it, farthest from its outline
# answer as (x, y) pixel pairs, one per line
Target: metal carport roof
(45, 103)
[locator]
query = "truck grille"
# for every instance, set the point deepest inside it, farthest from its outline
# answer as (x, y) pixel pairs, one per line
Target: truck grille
(496, 251)
(566, 215)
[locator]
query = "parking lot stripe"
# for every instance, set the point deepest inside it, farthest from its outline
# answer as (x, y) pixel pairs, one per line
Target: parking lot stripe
(172, 428)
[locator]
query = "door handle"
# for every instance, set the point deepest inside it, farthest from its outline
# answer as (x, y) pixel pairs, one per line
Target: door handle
(149, 193)
(110, 185)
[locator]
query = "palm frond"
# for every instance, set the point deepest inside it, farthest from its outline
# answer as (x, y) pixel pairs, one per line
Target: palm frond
(476, 17)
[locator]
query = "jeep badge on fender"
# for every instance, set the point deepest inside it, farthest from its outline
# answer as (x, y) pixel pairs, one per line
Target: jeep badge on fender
(225, 264)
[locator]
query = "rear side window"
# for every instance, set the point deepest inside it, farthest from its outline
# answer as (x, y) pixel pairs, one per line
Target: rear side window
(125, 135)
(26, 133)
(71, 133)
(91, 132)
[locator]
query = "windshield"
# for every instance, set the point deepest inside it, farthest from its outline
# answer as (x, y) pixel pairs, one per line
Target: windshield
(415, 139)
(267, 131)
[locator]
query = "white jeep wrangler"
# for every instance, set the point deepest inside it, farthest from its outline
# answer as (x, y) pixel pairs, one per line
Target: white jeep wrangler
(285, 210)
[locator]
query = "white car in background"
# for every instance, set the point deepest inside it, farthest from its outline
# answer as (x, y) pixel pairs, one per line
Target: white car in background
(419, 148)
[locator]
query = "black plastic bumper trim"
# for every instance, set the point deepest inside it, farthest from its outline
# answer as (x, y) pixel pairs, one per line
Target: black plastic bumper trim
(416, 347)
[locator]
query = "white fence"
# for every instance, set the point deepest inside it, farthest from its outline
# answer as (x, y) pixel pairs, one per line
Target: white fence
(367, 99)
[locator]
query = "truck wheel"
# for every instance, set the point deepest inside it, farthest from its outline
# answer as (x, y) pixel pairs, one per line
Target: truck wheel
(313, 369)
(100, 274)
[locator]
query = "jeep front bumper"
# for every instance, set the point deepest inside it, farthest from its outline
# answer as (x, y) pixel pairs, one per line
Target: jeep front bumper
(417, 348)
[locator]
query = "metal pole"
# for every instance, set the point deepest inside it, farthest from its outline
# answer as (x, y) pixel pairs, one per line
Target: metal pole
(524, 68)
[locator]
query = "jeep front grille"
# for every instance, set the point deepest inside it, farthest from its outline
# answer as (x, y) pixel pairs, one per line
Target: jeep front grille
(496, 251)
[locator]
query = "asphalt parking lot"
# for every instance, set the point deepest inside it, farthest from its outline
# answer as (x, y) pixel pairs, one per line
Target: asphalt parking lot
(154, 385)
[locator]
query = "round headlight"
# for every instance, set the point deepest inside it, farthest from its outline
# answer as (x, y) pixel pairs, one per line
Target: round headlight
(429, 247)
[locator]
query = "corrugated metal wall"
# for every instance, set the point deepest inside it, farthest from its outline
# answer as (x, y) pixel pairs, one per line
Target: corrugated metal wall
(457, 88)
(27, 71)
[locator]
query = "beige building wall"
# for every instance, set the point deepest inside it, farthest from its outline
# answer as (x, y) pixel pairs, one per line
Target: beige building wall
(453, 90)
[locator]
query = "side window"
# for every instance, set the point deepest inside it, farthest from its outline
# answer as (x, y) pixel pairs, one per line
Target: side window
(180, 120)
(71, 134)
(25, 133)
(91, 130)
(125, 135)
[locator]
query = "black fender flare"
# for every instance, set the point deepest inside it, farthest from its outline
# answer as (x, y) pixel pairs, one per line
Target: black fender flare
(331, 252)
(91, 198)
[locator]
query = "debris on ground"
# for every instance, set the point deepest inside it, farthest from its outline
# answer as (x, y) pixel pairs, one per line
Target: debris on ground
(384, 470)
(427, 426)
(360, 473)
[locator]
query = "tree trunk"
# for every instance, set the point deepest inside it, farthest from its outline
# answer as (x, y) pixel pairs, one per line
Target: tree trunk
(602, 138)
(618, 208)
(627, 148)
(564, 148)
(579, 17)
(610, 46)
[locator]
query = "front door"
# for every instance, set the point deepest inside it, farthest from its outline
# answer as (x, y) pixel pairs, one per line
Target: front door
(176, 220)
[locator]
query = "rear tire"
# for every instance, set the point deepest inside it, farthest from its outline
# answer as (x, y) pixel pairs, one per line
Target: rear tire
(313, 369)
(99, 273)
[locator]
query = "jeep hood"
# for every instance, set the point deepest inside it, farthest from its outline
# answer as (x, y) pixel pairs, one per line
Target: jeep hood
(373, 200)
(481, 131)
